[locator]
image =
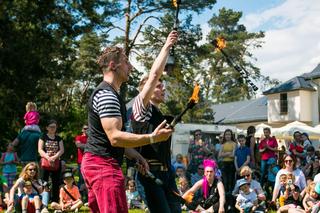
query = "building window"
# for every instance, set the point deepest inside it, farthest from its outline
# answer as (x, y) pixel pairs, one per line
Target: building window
(284, 103)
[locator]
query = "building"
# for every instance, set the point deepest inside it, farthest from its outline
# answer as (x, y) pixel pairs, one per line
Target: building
(297, 99)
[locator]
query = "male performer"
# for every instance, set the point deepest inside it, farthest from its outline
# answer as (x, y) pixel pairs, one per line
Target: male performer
(146, 117)
(107, 138)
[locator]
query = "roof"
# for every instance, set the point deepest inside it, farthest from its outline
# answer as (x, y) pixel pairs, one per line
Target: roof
(315, 73)
(296, 83)
(241, 111)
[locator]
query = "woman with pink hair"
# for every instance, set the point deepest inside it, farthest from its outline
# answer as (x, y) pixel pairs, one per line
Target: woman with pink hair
(213, 194)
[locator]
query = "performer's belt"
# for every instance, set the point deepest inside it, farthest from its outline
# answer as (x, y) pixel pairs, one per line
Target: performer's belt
(156, 165)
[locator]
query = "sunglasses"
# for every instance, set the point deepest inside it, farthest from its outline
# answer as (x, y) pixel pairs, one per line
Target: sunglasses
(197, 134)
(247, 175)
(288, 161)
(32, 169)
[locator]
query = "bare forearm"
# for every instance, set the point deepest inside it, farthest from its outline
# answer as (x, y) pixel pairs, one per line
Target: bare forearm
(129, 140)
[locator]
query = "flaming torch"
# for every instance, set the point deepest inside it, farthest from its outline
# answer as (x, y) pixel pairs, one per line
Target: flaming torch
(220, 43)
(192, 102)
(176, 4)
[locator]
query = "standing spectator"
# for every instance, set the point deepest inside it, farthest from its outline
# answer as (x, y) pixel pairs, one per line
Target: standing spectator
(289, 167)
(272, 173)
(242, 155)
(197, 151)
(251, 143)
(50, 148)
(27, 146)
(9, 159)
(31, 118)
(80, 141)
(268, 148)
(217, 147)
(296, 147)
(226, 155)
(306, 141)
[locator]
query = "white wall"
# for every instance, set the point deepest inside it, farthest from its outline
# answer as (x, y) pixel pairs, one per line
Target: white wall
(306, 105)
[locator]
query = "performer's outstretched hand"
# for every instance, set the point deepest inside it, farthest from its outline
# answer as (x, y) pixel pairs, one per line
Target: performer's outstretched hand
(161, 133)
(171, 39)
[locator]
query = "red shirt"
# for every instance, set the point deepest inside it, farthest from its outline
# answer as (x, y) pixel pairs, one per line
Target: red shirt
(82, 139)
(295, 146)
(272, 142)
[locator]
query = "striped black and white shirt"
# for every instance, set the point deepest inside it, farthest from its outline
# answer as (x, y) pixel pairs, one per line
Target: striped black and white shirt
(140, 112)
(106, 104)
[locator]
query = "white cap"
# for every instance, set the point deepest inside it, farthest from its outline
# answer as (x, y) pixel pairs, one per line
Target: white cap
(317, 178)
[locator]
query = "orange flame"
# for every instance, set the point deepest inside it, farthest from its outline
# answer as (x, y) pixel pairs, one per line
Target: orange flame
(188, 197)
(195, 97)
(175, 3)
(221, 43)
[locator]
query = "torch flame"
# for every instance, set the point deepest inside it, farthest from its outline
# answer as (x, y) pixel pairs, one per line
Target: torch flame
(195, 98)
(175, 3)
(188, 197)
(220, 43)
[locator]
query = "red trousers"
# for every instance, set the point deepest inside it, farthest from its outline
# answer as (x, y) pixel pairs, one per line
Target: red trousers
(105, 183)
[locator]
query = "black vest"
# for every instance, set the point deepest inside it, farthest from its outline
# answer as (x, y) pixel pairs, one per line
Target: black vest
(158, 151)
(98, 142)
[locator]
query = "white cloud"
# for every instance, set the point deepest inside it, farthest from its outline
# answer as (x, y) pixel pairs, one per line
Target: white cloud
(292, 32)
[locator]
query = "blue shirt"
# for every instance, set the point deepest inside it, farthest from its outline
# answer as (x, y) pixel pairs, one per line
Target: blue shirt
(241, 154)
(272, 173)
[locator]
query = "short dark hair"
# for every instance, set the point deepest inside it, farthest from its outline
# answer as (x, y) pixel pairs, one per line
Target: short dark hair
(310, 149)
(241, 136)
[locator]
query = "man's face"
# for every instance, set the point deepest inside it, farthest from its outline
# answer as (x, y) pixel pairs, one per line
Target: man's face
(158, 93)
(242, 141)
(124, 69)
(266, 133)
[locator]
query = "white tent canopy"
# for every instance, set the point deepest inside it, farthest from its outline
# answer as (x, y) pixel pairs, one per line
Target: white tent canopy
(259, 129)
(286, 132)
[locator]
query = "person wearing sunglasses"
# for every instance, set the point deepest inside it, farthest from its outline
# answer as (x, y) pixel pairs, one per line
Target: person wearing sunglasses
(246, 173)
(29, 173)
(289, 166)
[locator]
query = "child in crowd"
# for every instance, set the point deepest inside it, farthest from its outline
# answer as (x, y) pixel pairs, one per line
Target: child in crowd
(70, 198)
(178, 162)
(182, 185)
(9, 160)
(247, 200)
(30, 201)
(272, 173)
(242, 155)
(31, 118)
(180, 171)
(133, 198)
(283, 183)
(291, 194)
(3, 192)
(311, 198)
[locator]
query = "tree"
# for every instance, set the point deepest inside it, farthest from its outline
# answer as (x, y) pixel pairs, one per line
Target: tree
(222, 82)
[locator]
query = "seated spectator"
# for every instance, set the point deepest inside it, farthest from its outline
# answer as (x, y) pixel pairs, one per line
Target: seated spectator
(311, 168)
(182, 185)
(289, 167)
(180, 171)
(213, 199)
(4, 195)
(246, 173)
(247, 200)
(291, 194)
(198, 175)
(296, 147)
(30, 200)
(70, 198)
(242, 155)
(133, 198)
(311, 198)
(29, 173)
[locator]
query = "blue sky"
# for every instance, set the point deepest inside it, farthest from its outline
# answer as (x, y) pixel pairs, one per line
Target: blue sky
(292, 33)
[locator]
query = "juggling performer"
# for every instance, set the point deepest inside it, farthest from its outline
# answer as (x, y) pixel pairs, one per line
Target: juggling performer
(147, 116)
(107, 139)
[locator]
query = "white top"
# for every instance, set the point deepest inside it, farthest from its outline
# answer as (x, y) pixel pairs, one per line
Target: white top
(300, 179)
(247, 200)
